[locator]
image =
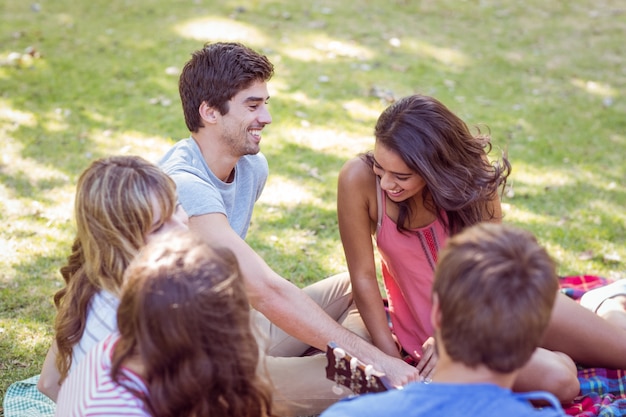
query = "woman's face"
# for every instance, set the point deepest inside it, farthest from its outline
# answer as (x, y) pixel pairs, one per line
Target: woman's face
(178, 221)
(396, 178)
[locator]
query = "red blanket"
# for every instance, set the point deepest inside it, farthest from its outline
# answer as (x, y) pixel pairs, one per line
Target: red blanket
(602, 391)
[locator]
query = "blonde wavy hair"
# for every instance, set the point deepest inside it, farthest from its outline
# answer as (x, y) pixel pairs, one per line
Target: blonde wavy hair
(114, 213)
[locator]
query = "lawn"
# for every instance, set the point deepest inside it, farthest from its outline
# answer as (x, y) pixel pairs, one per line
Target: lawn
(84, 79)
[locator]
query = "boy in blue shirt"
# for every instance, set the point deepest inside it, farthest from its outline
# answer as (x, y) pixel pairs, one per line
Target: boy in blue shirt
(493, 294)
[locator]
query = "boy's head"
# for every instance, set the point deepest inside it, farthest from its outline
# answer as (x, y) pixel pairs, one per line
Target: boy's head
(494, 290)
(217, 72)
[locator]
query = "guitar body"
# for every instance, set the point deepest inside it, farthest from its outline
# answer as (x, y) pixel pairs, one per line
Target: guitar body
(348, 371)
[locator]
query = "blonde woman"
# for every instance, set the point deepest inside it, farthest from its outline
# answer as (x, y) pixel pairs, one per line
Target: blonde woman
(122, 202)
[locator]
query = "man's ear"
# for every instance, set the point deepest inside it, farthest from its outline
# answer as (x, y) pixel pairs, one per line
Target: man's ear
(435, 313)
(207, 113)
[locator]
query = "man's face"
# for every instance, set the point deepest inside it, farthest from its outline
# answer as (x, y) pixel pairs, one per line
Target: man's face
(247, 116)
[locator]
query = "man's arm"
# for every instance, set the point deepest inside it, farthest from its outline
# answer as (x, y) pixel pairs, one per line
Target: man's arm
(288, 307)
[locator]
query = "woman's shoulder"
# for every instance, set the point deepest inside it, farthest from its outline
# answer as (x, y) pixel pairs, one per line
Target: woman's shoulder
(357, 171)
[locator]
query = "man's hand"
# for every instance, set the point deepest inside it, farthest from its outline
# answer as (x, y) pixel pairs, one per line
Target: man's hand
(398, 371)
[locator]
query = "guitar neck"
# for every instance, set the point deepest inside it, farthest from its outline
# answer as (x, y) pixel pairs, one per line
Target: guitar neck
(348, 371)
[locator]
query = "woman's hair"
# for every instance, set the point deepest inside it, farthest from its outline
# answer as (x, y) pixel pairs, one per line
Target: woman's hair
(184, 314)
(215, 74)
(114, 213)
(439, 147)
(496, 288)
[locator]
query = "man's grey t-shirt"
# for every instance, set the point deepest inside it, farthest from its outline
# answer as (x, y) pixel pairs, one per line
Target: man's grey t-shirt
(201, 192)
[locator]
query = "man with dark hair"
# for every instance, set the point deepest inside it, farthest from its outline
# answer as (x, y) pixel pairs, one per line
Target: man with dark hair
(220, 173)
(493, 295)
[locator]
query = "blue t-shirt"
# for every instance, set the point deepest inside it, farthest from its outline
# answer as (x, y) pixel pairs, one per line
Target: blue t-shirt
(201, 192)
(446, 400)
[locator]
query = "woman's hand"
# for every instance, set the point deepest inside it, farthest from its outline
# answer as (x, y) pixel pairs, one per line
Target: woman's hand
(428, 360)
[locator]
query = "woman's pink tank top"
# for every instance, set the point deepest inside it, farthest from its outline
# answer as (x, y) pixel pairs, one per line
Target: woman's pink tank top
(408, 263)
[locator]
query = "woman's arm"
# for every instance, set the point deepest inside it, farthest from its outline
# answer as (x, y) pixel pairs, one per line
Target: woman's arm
(357, 214)
(49, 380)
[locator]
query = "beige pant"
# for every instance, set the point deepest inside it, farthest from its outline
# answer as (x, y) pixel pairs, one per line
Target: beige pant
(301, 387)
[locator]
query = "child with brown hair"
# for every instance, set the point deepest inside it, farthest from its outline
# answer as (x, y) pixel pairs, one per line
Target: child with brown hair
(185, 345)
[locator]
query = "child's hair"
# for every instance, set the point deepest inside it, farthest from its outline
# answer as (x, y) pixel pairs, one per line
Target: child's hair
(185, 314)
(215, 74)
(114, 212)
(439, 147)
(496, 287)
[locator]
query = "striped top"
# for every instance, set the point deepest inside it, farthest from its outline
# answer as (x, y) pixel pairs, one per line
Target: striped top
(89, 390)
(101, 322)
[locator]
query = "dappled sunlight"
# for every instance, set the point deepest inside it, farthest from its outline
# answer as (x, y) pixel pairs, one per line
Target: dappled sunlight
(217, 28)
(542, 176)
(616, 212)
(297, 96)
(287, 192)
(97, 117)
(12, 118)
(279, 87)
(596, 88)
(320, 47)
(28, 334)
(611, 186)
(125, 142)
(129, 142)
(55, 121)
(63, 208)
(361, 111)
(151, 148)
(335, 142)
(295, 240)
(442, 55)
(59, 210)
(13, 165)
(521, 215)
(29, 240)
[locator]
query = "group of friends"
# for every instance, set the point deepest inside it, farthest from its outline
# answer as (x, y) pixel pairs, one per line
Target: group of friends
(167, 311)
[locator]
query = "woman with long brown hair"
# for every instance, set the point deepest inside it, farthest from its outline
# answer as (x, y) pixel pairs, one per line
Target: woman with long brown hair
(428, 178)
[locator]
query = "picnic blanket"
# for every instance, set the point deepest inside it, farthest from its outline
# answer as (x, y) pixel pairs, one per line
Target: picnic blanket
(602, 391)
(23, 399)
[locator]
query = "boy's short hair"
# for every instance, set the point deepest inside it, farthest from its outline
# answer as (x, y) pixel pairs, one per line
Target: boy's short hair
(496, 287)
(215, 74)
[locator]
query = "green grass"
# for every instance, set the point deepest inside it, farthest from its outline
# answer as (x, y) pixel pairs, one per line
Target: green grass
(547, 78)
